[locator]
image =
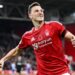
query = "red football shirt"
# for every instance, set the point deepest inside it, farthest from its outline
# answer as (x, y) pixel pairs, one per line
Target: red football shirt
(47, 45)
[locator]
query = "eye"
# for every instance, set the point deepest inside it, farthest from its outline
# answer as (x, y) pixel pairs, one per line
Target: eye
(36, 10)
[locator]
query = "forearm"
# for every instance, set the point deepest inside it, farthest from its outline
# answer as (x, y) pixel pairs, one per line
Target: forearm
(12, 53)
(69, 35)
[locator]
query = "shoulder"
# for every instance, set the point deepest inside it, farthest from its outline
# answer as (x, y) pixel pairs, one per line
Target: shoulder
(53, 22)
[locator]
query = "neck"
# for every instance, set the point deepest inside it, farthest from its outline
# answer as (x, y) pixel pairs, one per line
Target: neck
(38, 24)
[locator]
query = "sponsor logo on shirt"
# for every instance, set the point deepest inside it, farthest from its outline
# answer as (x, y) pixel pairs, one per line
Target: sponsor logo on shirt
(42, 43)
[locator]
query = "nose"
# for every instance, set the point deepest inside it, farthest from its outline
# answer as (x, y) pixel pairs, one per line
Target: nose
(40, 12)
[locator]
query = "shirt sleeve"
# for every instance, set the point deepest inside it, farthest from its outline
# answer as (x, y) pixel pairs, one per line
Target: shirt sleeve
(60, 28)
(23, 43)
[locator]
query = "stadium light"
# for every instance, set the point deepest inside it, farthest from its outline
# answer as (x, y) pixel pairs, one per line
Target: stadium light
(1, 6)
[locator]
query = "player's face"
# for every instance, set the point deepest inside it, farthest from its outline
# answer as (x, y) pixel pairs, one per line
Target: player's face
(37, 14)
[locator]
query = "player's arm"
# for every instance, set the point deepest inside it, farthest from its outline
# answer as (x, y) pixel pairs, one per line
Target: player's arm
(12, 53)
(71, 37)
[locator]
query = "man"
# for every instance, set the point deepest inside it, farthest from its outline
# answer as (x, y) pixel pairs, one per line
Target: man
(45, 38)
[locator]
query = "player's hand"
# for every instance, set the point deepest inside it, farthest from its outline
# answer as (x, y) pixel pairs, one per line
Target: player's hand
(1, 64)
(73, 41)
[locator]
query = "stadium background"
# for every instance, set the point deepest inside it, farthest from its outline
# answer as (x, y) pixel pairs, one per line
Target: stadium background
(14, 22)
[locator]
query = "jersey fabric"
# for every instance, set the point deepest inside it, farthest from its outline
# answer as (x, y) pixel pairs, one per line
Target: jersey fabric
(47, 45)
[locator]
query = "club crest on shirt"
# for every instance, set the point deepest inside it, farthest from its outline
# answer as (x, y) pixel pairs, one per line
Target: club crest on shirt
(47, 33)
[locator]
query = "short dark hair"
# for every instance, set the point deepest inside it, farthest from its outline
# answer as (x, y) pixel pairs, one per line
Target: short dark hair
(32, 5)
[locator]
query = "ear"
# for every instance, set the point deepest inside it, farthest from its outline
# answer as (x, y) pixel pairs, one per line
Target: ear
(30, 16)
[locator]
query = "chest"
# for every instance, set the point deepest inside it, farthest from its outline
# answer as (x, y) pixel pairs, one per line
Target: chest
(44, 33)
(42, 37)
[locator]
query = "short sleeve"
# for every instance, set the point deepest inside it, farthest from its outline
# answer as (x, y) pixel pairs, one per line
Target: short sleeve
(60, 28)
(23, 43)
